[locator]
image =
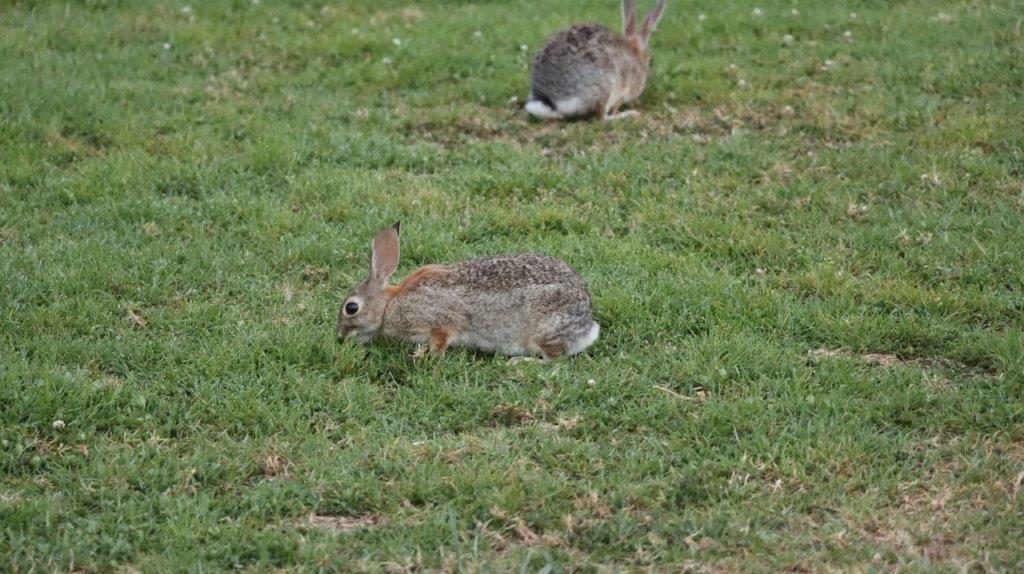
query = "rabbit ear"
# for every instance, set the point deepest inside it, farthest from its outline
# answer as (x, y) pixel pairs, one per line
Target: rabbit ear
(628, 17)
(652, 20)
(383, 256)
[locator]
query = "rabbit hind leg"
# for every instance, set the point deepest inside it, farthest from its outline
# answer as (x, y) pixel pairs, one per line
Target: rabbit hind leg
(551, 350)
(547, 348)
(438, 341)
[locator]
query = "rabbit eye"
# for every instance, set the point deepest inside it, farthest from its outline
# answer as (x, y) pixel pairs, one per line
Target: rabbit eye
(351, 308)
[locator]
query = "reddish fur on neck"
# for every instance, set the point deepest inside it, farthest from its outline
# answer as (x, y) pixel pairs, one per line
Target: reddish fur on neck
(413, 279)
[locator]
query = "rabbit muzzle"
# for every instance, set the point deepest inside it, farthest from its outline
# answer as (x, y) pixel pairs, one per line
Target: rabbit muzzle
(353, 332)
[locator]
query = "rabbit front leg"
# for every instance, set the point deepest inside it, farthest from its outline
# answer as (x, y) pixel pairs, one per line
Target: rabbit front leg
(611, 111)
(624, 115)
(614, 114)
(611, 107)
(616, 99)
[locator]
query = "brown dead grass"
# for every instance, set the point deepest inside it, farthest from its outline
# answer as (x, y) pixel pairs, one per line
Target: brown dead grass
(136, 319)
(512, 415)
(593, 503)
(275, 465)
(525, 533)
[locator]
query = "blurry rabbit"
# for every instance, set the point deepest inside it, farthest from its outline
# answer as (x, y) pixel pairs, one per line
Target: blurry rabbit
(590, 70)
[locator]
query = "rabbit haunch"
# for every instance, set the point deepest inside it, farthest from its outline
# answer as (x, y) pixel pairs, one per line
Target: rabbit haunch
(514, 304)
(590, 70)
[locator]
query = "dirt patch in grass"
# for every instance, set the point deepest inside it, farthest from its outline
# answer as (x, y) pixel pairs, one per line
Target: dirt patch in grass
(561, 139)
(934, 368)
(511, 415)
(86, 143)
(880, 359)
(339, 523)
(314, 275)
(701, 125)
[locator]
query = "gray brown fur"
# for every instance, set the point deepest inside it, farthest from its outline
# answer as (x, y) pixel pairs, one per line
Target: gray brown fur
(517, 304)
(590, 70)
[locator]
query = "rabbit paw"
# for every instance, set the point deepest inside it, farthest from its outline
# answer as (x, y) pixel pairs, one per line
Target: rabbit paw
(623, 115)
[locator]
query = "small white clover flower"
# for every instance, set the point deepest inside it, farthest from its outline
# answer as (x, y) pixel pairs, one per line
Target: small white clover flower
(186, 10)
(478, 34)
(523, 47)
(847, 36)
(58, 424)
(788, 39)
(757, 12)
(702, 17)
(853, 16)
(396, 41)
(166, 45)
(794, 12)
(741, 83)
(386, 61)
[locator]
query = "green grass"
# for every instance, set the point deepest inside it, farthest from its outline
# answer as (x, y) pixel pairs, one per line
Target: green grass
(811, 290)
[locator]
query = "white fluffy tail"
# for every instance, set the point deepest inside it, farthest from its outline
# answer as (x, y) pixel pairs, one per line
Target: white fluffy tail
(539, 109)
(586, 340)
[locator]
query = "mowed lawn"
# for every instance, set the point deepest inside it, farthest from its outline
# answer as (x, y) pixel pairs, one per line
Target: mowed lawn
(806, 255)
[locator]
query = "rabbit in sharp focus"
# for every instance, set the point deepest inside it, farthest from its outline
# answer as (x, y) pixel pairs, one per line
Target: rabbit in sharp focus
(589, 70)
(515, 304)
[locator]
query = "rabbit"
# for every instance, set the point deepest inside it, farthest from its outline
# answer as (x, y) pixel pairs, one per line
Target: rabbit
(589, 70)
(519, 304)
